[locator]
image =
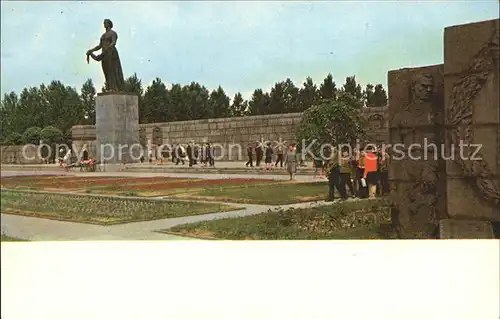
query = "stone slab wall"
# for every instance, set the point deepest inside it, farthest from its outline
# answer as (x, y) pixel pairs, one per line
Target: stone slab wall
(14, 155)
(117, 127)
(230, 131)
(416, 107)
(472, 83)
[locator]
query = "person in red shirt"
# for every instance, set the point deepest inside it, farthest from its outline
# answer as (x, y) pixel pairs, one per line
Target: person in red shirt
(370, 173)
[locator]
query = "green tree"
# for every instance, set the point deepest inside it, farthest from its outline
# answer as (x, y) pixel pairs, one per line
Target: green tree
(32, 135)
(379, 96)
(333, 122)
(51, 134)
(277, 100)
(9, 110)
(259, 103)
(62, 105)
(154, 107)
(87, 95)
(308, 95)
(291, 96)
(328, 89)
(239, 106)
(13, 138)
(368, 95)
(219, 104)
(353, 88)
(133, 85)
(196, 103)
(176, 102)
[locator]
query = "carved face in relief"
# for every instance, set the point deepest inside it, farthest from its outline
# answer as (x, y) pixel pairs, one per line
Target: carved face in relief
(422, 88)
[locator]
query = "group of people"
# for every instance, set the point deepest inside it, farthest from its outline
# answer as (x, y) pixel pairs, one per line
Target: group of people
(267, 152)
(363, 173)
(289, 159)
(191, 154)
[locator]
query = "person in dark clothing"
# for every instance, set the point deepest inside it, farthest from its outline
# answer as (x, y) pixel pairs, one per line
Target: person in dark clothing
(210, 155)
(196, 153)
(383, 173)
(173, 153)
(250, 155)
(345, 173)
(355, 176)
(333, 174)
(269, 156)
(279, 152)
(190, 154)
(258, 153)
(363, 189)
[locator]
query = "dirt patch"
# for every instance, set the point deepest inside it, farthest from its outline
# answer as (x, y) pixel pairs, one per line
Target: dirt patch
(192, 234)
(308, 198)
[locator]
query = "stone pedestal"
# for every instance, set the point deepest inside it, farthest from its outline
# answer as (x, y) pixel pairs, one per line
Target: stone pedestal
(117, 128)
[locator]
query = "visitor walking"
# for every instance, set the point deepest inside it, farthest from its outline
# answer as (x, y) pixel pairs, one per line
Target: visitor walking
(345, 173)
(269, 156)
(250, 155)
(333, 174)
(279, 152)
(363, 186)
(210, 155)
(190, 153)
(258, 154)
(150, 156)
(180, 155)
(383, 171)
(355, 175)
(370, 173)
(291, 161)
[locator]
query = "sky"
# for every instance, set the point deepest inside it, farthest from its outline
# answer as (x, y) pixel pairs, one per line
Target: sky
(240, 46)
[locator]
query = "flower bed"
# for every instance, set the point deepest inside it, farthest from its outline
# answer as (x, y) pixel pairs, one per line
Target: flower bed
(74, 182)
(196, 184)
(52, 179)
(100, 210)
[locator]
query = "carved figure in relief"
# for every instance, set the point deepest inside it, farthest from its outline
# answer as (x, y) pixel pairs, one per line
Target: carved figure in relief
(419, 109)
(415, 212)
(464, 91)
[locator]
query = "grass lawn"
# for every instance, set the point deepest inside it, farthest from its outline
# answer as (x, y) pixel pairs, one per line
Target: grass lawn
(366, 219)
(100, 210)
(272, 194)
(7, 238)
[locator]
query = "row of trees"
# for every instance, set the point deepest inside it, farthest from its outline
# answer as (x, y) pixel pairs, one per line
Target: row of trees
(62, 107)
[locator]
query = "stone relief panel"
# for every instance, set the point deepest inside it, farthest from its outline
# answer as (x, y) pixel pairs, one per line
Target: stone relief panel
(418, 189)
(472, 118)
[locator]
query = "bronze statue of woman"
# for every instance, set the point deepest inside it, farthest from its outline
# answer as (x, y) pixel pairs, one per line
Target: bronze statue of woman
(110, 61)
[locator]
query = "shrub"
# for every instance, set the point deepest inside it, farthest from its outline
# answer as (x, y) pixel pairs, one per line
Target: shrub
(32, 135)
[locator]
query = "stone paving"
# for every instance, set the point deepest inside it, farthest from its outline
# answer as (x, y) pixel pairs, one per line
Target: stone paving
(38, 229)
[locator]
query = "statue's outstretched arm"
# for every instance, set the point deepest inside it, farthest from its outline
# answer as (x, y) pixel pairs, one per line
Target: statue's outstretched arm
(94, 57)
(98, 47)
